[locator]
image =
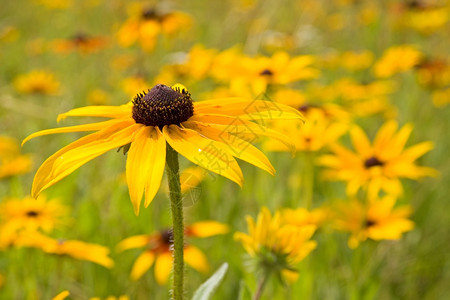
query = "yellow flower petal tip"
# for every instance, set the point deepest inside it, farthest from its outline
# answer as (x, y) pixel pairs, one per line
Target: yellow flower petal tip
(61, 296)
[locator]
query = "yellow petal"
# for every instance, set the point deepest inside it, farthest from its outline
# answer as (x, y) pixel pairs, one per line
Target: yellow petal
(207, 153)
(207, 228)
(163, 267)
(145, 165)
(236, 146)
(136, 241)
(78, 128)
(142, 264)
(245, 129)
(116, 112)
(61, 296)
(361, 142)
(191, 177)
(196, 259)
(73, 156)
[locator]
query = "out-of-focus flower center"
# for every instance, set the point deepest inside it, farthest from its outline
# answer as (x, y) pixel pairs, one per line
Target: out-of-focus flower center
(266, 72)
(167, 237)
(162, 105)
(370, 223)
(32, 214)
(80, 38)
(372, 162)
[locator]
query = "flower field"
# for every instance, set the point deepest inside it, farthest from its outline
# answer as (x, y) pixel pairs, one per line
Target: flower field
(237, 149)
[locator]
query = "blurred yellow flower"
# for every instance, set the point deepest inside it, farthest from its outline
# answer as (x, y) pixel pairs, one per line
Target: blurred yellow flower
(80, 42)
(433, 73)
(208, 133)
(159, 250)
(427, 20)
(280, 69)
(380, 165)
(98, 97)
(316, 133)
(441, 98)
(146, 24)
(378, 220)
(31, 214)
(301, 216)
(37, 82)
(275, 244)
(397, 59)
(134, 85)
(195, 65)
(95, 253)
(11, 161)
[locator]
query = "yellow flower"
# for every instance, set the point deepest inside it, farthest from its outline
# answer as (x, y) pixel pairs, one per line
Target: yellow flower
(159, 250)
(37, 82)
(11, 161)
(377, 166)
(275, 243)
(77, 249)
(280, 69)
(441, 97)
(301, 216)
(434, 73)
(193, 65)
(379, 220)
(98, 97)
(145, 24)
(31, 214)
(134, 85)
(427, 20)
(354, 61)
(208, 133)
(396, 60)
(316, 133)
(79, 42)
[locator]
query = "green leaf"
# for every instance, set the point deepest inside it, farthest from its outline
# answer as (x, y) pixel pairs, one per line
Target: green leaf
(205, 291)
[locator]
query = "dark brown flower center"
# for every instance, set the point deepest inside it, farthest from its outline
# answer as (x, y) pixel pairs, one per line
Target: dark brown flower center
(80, 38)
(162, 105)
(32, 214)
(372, 162)
(266, 72)
(370, 223)
(167, 237)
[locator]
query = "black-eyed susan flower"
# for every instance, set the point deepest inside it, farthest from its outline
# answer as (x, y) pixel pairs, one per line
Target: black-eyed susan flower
(76, 249)
(37, 82)
(426, 17)
(316, 133)
(208, 133)
(146, 23)
(276, 245)
(80, 42)
(12, 162)
(379, 220)
(377, 166)
(397, 59)
(31, 214)
(158, 250)
(279, 69)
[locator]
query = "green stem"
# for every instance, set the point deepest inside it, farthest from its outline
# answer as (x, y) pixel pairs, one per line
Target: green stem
(308, 179)
(176, 204)
(262, 283)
